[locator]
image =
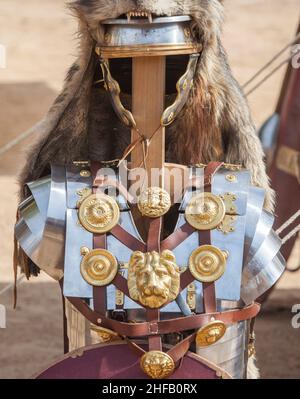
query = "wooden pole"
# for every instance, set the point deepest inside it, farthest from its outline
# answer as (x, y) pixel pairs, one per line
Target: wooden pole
(148, 96)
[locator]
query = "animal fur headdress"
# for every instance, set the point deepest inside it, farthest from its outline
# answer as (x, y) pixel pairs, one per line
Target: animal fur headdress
(214, 125)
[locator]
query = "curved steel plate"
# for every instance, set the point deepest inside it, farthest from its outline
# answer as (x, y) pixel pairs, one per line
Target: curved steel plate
(253, 288)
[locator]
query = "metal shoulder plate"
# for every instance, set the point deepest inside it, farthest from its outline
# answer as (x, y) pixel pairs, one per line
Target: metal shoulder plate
(40, 229)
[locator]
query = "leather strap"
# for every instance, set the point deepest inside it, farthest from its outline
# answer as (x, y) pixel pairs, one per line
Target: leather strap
(99, 241)
(99, 293)
(177, 237)
(209, 297)
(209, 172)
(177, 352)
(120, 283)
(186, 278)
(209, 290)
(127, 239)
(164, 326)
(153, 315)
(95, 167)
(154, 234)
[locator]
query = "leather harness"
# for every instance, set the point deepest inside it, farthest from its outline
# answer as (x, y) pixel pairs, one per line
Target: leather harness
(153, 327)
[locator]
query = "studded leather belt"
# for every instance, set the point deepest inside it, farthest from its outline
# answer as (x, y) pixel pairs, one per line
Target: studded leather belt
(164, 326)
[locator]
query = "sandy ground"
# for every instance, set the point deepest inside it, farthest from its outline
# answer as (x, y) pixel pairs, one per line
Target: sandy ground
(40, 46)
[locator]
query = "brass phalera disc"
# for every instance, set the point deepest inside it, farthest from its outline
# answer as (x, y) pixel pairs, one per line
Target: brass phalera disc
(205, 211)
(99, 267)
(99, 213)
(207, 263)
(157, 365)
(154, 202)
(210, 334)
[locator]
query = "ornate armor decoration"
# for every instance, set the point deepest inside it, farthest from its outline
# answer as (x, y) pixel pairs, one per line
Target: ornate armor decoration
(191, 285)
(205, 211)
(98, 267)
(241, 264)
(99, 213)
(207, 263)
(154, 202)
(210, 334)
(157, 364)
(153, 278)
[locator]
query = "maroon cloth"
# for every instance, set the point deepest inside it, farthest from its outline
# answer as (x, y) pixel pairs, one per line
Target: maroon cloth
(286, 186)
(118, 362)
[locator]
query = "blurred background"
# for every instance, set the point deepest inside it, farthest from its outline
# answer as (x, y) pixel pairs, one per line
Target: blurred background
(39, 36)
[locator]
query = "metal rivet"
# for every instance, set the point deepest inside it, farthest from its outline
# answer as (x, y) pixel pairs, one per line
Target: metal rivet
(84, 251)
(231, 178)
(85, 173)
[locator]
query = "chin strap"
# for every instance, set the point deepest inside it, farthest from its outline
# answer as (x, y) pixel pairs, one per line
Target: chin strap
(183, 86)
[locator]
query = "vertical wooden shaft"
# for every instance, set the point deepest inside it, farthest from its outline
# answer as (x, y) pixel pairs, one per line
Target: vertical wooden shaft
(148, 95)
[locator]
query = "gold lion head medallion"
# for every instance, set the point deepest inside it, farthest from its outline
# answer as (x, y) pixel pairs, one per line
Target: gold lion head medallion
(157, 365)
(210, 334)
(205, 211)
(153, 278)
(207, 263)
(99, 213)
(98, 267)
(154, 202)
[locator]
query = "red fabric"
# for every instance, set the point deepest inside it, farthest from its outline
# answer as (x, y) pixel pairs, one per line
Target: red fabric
(286, 186)
(118, 362)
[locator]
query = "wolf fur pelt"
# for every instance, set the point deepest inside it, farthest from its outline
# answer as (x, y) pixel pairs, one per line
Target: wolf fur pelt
(214, 125)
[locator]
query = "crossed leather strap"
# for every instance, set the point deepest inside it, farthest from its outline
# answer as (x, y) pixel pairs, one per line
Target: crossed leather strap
(153, 327)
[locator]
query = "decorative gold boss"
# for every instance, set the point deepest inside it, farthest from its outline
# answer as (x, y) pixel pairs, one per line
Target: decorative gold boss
(157, 365)
(153, 278)
(99, 213)
(205, 211)
(154, 202)
(210, 334)
(98, 267)
(207, 263)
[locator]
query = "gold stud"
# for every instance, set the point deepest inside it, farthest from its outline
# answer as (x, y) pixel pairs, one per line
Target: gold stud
(85, 173)
(154, 202)
(157, 364)
(210, 333)
(84, 251)
(231, 178)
